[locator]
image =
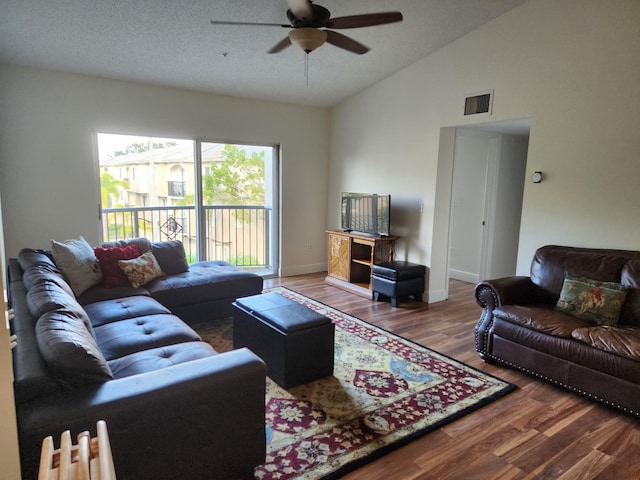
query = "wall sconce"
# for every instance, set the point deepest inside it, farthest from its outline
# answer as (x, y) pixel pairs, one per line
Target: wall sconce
(536, 177)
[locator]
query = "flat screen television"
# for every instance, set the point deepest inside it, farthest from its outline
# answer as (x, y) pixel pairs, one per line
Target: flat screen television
(368, 213)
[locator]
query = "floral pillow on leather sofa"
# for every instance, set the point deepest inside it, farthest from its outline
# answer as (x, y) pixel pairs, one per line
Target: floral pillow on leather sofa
(141, 270)
(595, 301)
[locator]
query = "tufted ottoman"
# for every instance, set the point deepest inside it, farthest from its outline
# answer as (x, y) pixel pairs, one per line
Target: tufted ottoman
(398, 279)
(294, 341)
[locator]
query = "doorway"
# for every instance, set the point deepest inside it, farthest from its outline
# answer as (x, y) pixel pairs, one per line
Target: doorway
(473, 168)
(478, 204)
(488, 185)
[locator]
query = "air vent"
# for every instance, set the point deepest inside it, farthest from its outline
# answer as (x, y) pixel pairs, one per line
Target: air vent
(478, 103)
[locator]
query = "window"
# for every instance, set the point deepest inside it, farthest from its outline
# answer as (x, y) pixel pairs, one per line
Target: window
(218, 199)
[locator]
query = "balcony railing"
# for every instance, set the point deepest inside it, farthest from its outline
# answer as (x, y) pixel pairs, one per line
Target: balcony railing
(236, 234)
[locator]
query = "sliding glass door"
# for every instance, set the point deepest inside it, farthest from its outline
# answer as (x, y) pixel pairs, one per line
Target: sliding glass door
(237, 200)
(218, 199)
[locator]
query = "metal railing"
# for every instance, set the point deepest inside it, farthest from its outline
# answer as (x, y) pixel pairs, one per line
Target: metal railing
(236, 234)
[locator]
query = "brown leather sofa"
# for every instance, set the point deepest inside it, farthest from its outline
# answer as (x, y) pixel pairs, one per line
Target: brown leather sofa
(174, 407)
(520, 326)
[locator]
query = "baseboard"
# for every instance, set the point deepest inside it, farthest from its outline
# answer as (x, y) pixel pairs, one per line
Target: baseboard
(464, 276)
(303, 269)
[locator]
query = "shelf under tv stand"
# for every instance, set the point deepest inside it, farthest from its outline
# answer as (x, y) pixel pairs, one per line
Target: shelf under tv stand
(352, 256)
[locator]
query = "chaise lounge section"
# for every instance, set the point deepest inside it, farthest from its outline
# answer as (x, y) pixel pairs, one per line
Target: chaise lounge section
(174, 407)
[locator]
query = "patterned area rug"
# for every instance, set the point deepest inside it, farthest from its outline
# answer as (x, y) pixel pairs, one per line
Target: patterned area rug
(385, 391)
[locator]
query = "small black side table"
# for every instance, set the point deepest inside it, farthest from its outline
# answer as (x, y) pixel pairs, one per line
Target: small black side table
(398, 279)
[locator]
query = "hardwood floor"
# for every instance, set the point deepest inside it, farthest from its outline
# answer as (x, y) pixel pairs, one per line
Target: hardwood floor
(536, 432)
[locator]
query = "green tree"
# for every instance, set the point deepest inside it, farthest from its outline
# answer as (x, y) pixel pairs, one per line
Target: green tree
(237, 180)
(110, 188)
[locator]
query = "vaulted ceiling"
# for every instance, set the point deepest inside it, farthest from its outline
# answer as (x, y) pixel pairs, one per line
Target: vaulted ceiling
(172, 43)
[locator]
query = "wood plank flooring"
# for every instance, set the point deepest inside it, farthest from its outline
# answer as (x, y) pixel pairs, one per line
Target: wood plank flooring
(536, 432)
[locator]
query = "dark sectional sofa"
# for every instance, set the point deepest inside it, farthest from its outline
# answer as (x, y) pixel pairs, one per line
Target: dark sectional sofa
(524, 325)
(174, 407)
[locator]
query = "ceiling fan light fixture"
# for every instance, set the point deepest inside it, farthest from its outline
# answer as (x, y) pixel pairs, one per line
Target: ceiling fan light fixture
(307, 38)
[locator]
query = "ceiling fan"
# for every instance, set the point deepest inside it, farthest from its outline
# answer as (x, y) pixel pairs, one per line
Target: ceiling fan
(311, 26)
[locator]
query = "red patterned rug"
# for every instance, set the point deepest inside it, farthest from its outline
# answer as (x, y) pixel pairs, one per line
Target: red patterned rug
(385, 392)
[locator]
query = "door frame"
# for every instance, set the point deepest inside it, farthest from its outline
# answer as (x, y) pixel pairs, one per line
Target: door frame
(441, 233)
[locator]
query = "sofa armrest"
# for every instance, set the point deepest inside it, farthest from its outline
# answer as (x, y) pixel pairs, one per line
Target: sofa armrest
(199, 419)
(492, 294)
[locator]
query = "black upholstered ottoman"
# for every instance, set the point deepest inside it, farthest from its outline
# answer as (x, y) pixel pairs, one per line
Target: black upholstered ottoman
(295, 342)
(397, 279)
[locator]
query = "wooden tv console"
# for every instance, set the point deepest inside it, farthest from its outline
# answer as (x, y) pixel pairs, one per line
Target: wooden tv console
(352, 256)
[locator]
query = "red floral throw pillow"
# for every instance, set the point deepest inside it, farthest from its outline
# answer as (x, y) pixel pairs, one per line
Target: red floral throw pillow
(108, 260)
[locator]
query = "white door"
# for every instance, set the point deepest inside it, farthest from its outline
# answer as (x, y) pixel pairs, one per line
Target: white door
(468, 204)
(488, 184)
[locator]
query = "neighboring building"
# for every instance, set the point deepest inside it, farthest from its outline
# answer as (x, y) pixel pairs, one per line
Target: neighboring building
(158, 203)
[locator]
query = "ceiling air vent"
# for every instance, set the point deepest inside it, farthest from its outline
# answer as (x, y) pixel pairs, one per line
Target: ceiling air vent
(478, 103)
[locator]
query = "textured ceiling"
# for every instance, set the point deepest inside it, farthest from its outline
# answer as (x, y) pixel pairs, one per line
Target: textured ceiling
(172, 43)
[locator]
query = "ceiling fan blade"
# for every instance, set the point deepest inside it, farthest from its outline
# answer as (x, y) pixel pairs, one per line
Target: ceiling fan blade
(342, 41)
(366, 20)
(301, 9)
(216, 22)
(281, 45)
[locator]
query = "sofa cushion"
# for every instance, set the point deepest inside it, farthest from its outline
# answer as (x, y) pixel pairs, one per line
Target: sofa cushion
(108, 258)
(78, 263)
(100, 293)
(46, 296)
(597, 302)
(31, 377)
(118, 339)
(45, 274)
(621, 341)
(157, 358)
(143, 244)
(551, 263)
(204, 282)
(118, 309)
(141, 270)
(69, 350)
(171, 256)
(28, 257)
(512, 336)
(541, 319)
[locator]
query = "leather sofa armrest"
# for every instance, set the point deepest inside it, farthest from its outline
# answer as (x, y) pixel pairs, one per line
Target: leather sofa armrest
(492, 294)
(199, 419)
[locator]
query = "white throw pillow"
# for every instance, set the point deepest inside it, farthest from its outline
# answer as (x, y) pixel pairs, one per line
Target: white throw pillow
(78, 263)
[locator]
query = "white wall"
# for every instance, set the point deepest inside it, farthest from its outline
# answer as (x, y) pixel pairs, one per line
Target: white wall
(47, 170)
(571, 66)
